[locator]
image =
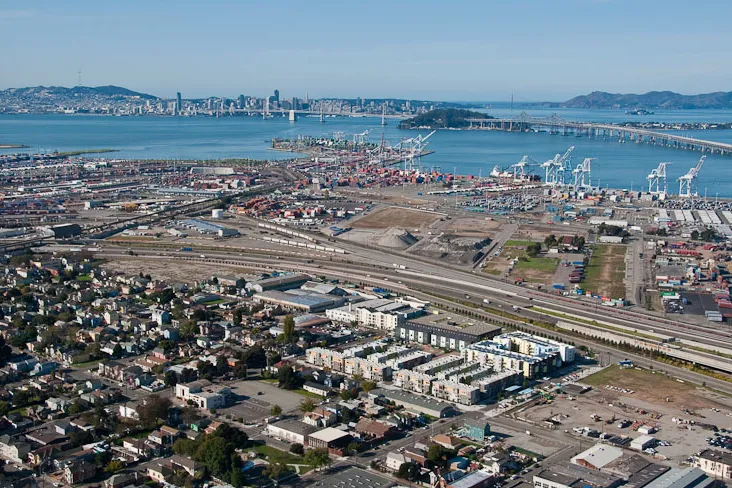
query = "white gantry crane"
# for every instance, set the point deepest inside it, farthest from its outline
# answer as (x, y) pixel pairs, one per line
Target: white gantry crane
(412, 148)
(520, 169)
(361, 138)
(657, 180)
(583, 174)
(555, 168)
(687, 182)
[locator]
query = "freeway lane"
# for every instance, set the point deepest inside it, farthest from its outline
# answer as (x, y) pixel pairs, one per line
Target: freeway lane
(417, 287)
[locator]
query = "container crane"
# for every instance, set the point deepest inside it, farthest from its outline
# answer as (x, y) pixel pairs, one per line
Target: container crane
(583, 174)
(657, 180)
(687, 182)
(555, 168)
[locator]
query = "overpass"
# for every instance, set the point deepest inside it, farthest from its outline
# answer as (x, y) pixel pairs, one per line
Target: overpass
(559, 126)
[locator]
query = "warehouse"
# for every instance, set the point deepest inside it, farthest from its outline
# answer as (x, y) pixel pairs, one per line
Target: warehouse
(353, 477)
(281, 283)
(64, 231)
(208, 228)
(299, 300)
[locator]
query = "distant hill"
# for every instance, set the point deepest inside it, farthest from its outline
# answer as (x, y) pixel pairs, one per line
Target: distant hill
(652, 100)
(444, 118)
(110, 91)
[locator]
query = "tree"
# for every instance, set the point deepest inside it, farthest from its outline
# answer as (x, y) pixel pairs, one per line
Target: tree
(274, 470)
(409, 471)
(117, 351)
(275, 411)
(287, 378)
(81, 437)
(317, 458)
(4, 408)
(188, 329)
(708, 234)
(113, 466)
(5, 352)
(307, 405)
(533, 249)
(237, 316)
(346, 395)
(367, 386)
(353, 447)
(155, 408)
(297, 448)
(438, 455)
(695, 234)
(288, 328)
(171, 378)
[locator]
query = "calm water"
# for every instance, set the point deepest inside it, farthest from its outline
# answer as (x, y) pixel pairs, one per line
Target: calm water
(469, 152)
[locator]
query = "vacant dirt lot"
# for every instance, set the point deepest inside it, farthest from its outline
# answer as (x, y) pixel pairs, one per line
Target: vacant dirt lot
(169, 270)
(606, 271)
(650, 387)
(395, 217)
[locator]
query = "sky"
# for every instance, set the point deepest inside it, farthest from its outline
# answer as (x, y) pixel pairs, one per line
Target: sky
(485, 50)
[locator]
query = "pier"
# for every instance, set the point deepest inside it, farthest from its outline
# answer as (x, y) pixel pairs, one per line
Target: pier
(558, 126)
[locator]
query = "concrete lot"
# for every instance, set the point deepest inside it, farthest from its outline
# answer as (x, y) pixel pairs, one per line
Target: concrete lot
(253, 407)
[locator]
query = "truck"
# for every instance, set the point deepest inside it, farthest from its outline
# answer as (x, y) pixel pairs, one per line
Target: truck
(515, 308)
(558, 286)
(486, 301)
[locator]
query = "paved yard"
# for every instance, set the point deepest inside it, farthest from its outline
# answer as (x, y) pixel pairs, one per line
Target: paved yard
(252, 407)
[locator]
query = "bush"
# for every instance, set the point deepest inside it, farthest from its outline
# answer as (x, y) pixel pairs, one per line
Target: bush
(297, 449)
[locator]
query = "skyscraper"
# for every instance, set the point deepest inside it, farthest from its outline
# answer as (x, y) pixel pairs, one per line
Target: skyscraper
(277, 96)
(179, 104)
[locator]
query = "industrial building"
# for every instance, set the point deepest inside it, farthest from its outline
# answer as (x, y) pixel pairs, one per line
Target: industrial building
(63, 231)
(716, 463)
(207, 228)
(571, 476)
(281, 283)
(598, 456)
(299, 300)
(443, 332)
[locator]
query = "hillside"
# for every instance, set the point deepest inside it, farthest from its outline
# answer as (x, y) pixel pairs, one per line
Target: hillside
(444, 118)
(110, 91)
(652, 100)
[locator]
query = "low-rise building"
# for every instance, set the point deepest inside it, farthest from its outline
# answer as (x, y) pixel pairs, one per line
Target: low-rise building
(456, 392)
(203, 394)
(292, 431)
(415, 403)
(439, 332)
(715, 463)
(329, 438)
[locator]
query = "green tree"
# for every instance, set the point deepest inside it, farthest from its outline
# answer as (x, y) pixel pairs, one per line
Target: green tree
(297, 448)
(317, 458)
(367, 386)
(307, 405)
(288, 328)
(117, 351)
(695, 234)
(156, 407)
(409, 471)
(275, 411)
(287, 378)
(113, 466)
(274, 470)
(171, 378)
(237, 316)
(4, 408)
(188, 329)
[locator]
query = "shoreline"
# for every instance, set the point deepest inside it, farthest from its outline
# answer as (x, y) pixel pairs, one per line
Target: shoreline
(13, 146)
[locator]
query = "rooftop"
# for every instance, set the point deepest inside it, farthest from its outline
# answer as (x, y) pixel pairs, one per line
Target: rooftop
(353, 477)
(329, 434)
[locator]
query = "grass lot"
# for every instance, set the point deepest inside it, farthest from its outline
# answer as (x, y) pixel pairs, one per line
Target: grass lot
(517, 243)
(545, 265)
(84, 277)
(302, 392)
(605, 273)
(274, 455)
(682, 394)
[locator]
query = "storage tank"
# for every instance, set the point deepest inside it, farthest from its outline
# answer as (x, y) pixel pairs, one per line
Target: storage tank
(217, 213)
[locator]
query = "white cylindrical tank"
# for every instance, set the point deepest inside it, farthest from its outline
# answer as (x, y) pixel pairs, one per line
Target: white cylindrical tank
(217, 213)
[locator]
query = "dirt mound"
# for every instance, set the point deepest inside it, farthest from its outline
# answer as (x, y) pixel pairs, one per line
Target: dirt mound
(396, 238)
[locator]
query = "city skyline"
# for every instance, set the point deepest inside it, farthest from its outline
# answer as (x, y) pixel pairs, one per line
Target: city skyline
(478, 52)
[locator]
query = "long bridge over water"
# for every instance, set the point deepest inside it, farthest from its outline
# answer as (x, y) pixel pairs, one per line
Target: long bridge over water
(557, 125)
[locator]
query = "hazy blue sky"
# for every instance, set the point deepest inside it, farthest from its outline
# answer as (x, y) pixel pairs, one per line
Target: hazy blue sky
(453, 50)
